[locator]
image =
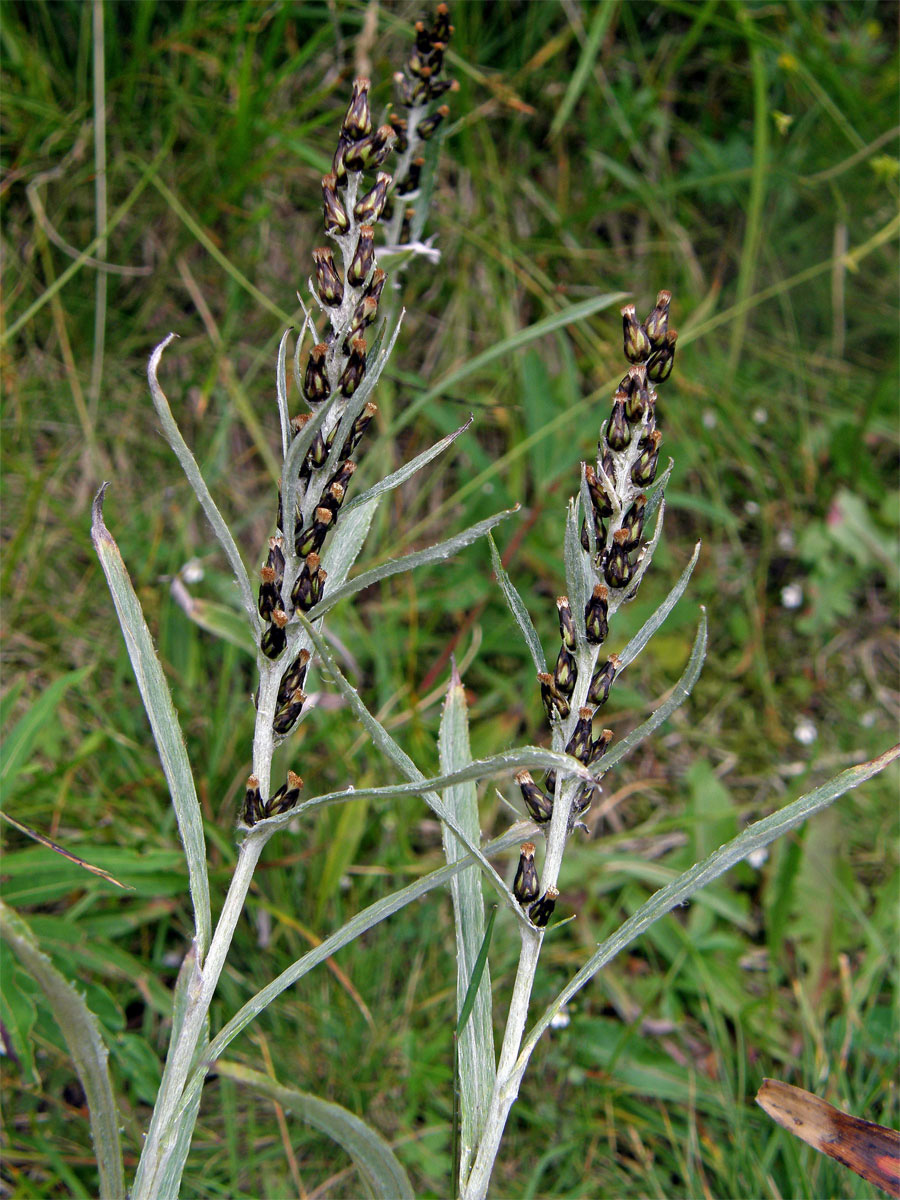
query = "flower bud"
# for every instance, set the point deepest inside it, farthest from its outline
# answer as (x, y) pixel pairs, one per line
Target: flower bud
(644, 470)
(555, 704)
(399, 124)
(352, 375)
(363, 257)
(301, 593)
(370, 151)
(660, 363)
(425, 129)
(526, 887)
(542, 910)
(602, 679)
(633, 523)
(596, 612)
(275, 559)
(274, 639)
(618, 568)
(288, 714)
(286, 796)
(566, 672)
(579, 744)
(252, 810)
(618, 431)
(410, 182)
(581, 801)
(358, 428)
(358, 119)
(293, 678)
(328, 281)
(658, 321)
(336, 219)
(363, 316)
(540, 807)
(370, 206)
(638, 401)
(316, 387)
(269, 594)
(600, 745)
(376, 284)
(637, 341)
(599, 498)
(566, 623)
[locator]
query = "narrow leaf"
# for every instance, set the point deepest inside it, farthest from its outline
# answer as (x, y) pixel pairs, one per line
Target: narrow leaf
(372, 1156)
(755, 837)
(81, 1031)
(477, 971)
(284, 415)
(603, 13)
(408, 562)
(517, 607)
(475, 1038)
(650, 626)
(172, 434)
(354, 928)
(163, 718)
(403, 473)
(17, 745)
(675, 699)
(577, 563)
(343, 549)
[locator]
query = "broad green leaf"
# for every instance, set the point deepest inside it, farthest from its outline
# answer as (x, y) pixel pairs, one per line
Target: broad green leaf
(81, 1031)
(163, 718)
(17, 745)
(475, 1043)
(755, 837)
(517, 607)
(372, 1156)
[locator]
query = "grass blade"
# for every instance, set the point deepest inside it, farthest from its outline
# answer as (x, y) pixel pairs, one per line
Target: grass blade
(81, 1031)
(163, 718)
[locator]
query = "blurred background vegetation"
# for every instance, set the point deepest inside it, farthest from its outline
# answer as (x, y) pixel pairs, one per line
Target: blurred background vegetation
(742, 155)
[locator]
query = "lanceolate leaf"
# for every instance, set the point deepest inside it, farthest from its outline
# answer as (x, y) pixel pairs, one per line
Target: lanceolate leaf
(755, 837)
(163, 718)
(355, 928)
(517, 607)
(475, 1037)
(371, 1154)
(408, 470)
(81, 1031)
(408, 562)
(650, 626)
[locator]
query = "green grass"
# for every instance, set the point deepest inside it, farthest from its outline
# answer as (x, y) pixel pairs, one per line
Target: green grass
(728, 151)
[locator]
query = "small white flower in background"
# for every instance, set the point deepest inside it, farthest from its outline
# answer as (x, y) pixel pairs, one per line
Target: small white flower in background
(710, 420)
(560, 1020)
(785, 540)
(791, 596)
(756, 858)
(760, 415)
(192, 571)
(751, 508)
(805, 732)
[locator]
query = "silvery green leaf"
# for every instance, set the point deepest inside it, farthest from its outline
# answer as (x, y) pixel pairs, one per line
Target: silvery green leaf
(281, 394)
(509, 761)
(654, 497)
(646, 557)
(342, 550)
(579, 576)
(517, 607)
(163, 719)
(408, 562)
(172, 434)
(376, 1162)
(353, 929)
(218, 619)
(675, 699)
(650, 626)
(386, 744)
(168, 1184)
(81, 1031)
(407, 471)
(587, 507)
(475, 1044)
(680, 890)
